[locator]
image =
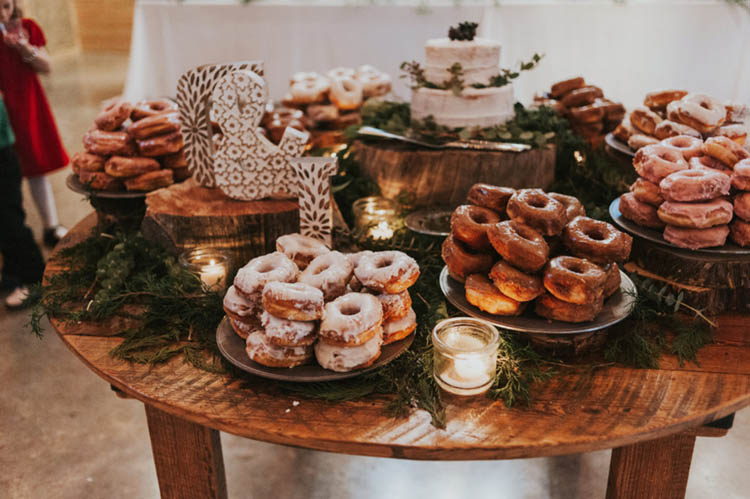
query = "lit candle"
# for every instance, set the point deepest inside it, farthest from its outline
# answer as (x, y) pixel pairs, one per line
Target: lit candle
(209, 264)
(213, 274)
(379, 216)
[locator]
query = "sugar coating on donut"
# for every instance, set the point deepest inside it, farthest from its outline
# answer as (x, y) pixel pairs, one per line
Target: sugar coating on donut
(742, 205)
(301, 249)
(239, 305)
(348, 317)
(258, 346)
(696, 238)
(641, 213)
(707, 162)
(298, 295)
(701, 112)
(341, 359)
(330, 273)
(690, 147)
(389, 271)
(399, 327)
(654, 162)
(740, 232)
(245, 327)
(395, 305)
(289, 333)
(696, 215)
(259, 271)
(694, 185)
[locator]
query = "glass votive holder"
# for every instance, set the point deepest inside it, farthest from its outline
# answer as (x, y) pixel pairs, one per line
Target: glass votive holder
(465, 355)
(211, 265)
(378, 215)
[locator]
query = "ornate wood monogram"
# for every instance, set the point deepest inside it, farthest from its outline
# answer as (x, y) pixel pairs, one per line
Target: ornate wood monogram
(313, 183)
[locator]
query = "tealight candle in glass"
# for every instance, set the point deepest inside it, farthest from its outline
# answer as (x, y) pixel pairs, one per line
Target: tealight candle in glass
(380, 216)
(211, 265)
(465, 355)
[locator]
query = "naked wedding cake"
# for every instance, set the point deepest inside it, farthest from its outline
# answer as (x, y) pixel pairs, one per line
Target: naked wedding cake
(461, 84)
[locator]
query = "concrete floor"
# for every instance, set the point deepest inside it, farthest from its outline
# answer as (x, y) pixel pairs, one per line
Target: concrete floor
(63, 433)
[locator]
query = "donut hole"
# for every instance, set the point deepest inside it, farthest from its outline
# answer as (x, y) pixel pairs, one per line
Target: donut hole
(575, 267)
(596, 234)
(480, 218)
(350, 309)
(265, 268)
(537, 202)
(385, 262)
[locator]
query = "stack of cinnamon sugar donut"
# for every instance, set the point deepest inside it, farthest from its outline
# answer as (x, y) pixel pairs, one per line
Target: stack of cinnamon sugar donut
(669, 113)
(692, 189)
(305, 301)
(512, 247)
(134, 148)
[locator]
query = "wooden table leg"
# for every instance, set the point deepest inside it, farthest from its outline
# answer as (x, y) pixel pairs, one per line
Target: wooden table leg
(187, 457)
(657, 468)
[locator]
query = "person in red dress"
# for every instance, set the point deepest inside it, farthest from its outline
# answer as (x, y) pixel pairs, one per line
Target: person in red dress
(38, 144)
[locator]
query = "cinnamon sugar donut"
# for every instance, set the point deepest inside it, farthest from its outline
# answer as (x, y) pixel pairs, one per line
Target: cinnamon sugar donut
(104, 143)
(261, 350)
(238, 307)
(669, 128)
(462, 260)
(707, 162)
(741, 175)
(481, 293)
(647, 192)
(388, 271)
(739, 232)
(253, 277)
(514, 283)
(490, 196)
(700, 112)
(573, 207)
(596, 240)
(696, 215)
(656, 161)
(146, 108)
(554, 309)
(158, 124)
(161, 145)
(398, 329)
(742, 205)
(150, 181)
(641, 213)
(694, 185)
(537, 210)
(113, 115)
(519, 245)
(563, 87)
(658, 101)
(330, 273)
(395, 306)
(640, 140)
(87, 162)
(690, 147)
(288, 333)
(351, 320)
(574, 280)
(613, 278)
(343, 359)
(725, 150)
(301, 249)
(124, 167)
(644, 120)
(293, 301)
(690, 238)
(470, 223)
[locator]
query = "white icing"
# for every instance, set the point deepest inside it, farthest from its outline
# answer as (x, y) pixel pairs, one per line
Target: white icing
(260, 271)
(292, 332)
(482, 107)
(246, 327)
(301, 249)
(338, 358)
(702, 108)
(329, 273)
(393, 304)
(302, 296)
(376, 271)
(237, 304)
(407, 321)
(479, 60)
(346, 93)
(348, 316)
(257, 344)
(336, 73)
(374, 82)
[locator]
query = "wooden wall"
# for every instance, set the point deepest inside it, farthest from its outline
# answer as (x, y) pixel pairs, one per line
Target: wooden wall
(104, 25)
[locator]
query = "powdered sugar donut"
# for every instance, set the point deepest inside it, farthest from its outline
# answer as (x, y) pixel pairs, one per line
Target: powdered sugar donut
(351, 319)
(643, 214)
(694, 185)
(238, 307)
(398, 329)
(656, 161)
(293, 301)
(259, 271)
(330, 273)
(301, 249)
(288, 333)
(696, 238)
(741, 175)
(395, 306)
(690, 147)
(346, 93)
(388, 271)
(696, 215)
(709, 163)
(742, 205)
(699, 111)
(262, 351)
(725, 150)
(343, 359)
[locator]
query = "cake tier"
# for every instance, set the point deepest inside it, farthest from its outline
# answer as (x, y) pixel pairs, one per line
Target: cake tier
(479, 59)
(482, 107)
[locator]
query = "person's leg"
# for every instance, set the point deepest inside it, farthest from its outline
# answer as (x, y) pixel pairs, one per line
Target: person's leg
(44, 198)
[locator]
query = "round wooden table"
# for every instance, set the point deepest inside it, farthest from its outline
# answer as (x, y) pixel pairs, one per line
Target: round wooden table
(649, 417)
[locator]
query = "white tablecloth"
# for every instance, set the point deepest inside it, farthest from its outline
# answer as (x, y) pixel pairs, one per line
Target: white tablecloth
(627, 49)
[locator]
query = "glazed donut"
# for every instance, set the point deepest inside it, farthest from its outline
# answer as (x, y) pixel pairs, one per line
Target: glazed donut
(374, 82)
(623, 131)
(346, 93)
(113, 115)
(700, 112)
(354, 259)
(301, 249)
(481, 293)
(741, 175)
(551, 308)
(470, 223)
(737, 133)
(351, 320)
(330, 273)
(736, 112)
(176, 161)
(515, 284)
(244, 328)
(574, 280)
(696, 238)
(395, 306)
(613, 111)
(293, 301)
(519, 245)
(690, 147)
(462, 260)
(109, 143)
(238, 307)
(612, 282)
(694, 185)
(669, 128)
(309, 88)
(647, 192)
(340, 72)
(124, 167)
(537, 210)
(158, 124)
(262, 351)
(100, 181)
(253, 277)
(596, 240)
(87, 162)
(288, 333)
(573, 207)
(639, 140)
(581, 96)
(739, 232)
(656, 161)
(322, 113)
(742, 205)
(590, 113)
(150, 181)
(563, 87)
(490, 196)
(658, 101)
(161, 145)
(641, 213)
(387, 271)
(709, 163)
(343, 359)
(398, 329)
(145, 108)
(644, 120)
(725, 150)
(696, 215)
(673, 114)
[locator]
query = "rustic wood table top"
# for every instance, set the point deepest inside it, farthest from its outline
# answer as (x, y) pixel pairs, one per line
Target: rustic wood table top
(611, 407)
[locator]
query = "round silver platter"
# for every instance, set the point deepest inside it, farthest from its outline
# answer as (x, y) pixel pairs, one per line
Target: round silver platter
(432, 221)
(618, 146)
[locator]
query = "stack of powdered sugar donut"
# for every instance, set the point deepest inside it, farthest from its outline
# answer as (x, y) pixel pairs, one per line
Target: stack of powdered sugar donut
(696, 191)
(305, 301)
(134, 148)
(547, 251)
(669, 113)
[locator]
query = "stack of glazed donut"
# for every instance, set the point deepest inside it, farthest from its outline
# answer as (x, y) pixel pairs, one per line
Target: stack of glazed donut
(669, 113)
(512, 247)
(305, 301)
(590, 114)
(134, 148)
(692, 189)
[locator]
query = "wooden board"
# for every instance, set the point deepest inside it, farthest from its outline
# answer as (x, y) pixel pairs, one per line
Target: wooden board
(188, 215)
(443, 177)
